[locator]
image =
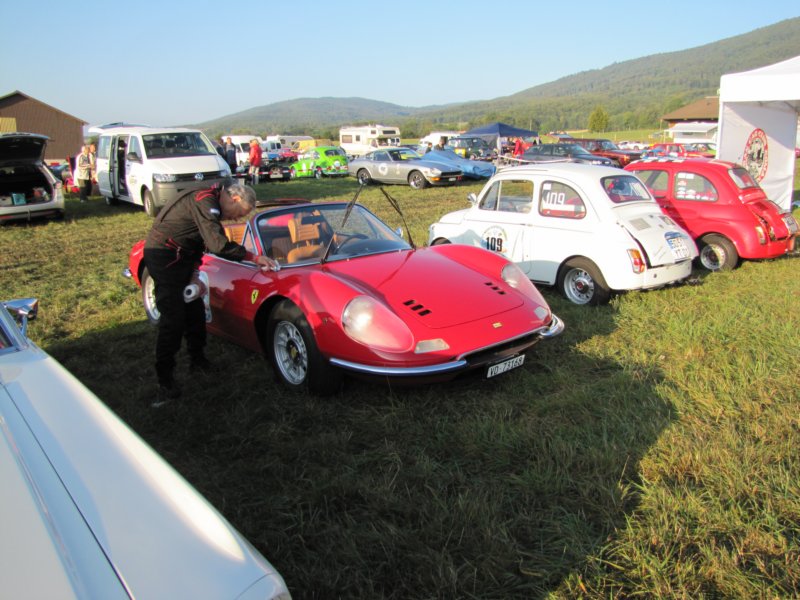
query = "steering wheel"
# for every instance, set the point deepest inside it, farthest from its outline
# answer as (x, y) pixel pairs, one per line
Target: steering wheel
(348, 237)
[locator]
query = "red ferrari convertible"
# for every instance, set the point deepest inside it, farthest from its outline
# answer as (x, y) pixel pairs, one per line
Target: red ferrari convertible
(352, 296)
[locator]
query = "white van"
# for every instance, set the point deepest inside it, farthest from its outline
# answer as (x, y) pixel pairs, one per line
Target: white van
(150, 166)
(359, 140)
(242, 145)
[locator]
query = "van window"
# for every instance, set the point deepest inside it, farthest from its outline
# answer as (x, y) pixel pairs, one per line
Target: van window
(104, 147)
(134, 148)
(560, 200)
(162, 145)
(347, 139)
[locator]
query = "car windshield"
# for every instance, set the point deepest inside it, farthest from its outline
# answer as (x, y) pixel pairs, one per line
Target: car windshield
(403, 154)
(625, 188)
(742, 178)
(170, 145)
(572, 149)
(301, 235)
(607, 145)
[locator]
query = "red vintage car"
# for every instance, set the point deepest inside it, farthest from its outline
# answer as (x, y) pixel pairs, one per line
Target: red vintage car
(352, 296)
(721, 206)
(697, 150)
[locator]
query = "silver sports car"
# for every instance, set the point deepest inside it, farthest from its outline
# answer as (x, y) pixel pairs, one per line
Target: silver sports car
(401, 165)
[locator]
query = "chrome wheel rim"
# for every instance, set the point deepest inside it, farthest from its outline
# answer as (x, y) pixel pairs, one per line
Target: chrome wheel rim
(291, 354)
(712, 257)
(150, 300)
(579, 286)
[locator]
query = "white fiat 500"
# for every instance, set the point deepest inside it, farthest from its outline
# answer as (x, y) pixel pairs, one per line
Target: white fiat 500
(589, 230)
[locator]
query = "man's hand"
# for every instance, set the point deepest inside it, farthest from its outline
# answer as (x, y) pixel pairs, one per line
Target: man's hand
(267, 264)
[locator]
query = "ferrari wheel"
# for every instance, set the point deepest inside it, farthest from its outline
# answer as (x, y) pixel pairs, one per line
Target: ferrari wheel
(294, 355)
(717, 253)
(149, 297)
(363, 177)
(417, 180)
(581, 282)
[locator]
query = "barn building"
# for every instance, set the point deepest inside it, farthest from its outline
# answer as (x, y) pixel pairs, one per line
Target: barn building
(20, 112)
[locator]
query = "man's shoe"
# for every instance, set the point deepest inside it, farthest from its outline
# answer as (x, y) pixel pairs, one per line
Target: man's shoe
(202, 365)
(167, 391)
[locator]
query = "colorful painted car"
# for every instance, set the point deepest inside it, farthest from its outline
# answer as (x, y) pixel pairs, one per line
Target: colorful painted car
(322, 161)
(352, 296)
(404, 166)
(589, 230)
(721, 206)
(89, 509)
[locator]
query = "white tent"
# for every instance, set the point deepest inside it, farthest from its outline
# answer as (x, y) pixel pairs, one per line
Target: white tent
(758, 113)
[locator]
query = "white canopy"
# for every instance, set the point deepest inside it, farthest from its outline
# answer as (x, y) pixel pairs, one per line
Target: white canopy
(758, 112)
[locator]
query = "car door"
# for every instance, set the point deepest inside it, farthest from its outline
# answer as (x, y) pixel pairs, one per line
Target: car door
(383, 168)
(135, 171)
(501, 219)
(104, 179)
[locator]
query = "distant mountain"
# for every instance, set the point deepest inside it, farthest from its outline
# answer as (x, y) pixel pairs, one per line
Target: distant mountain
(634, 93)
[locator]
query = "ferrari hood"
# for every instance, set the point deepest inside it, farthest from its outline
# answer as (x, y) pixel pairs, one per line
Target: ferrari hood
(428, 286)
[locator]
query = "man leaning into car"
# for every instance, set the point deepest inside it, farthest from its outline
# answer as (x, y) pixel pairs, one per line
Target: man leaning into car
(173, 251)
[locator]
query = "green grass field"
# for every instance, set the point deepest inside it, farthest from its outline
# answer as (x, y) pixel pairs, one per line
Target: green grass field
(651, 451)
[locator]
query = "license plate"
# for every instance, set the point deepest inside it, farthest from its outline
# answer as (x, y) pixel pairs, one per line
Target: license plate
(678, 247)
(276, 175)
(506, 365)
(451, 179)
(791, 224)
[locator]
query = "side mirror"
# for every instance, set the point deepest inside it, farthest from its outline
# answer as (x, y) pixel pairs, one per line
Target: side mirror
(473, 199)
(133, 157)
(23, 310)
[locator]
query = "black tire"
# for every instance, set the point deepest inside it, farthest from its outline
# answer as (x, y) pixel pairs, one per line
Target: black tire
(440, 242)
(149, 297)
(581, 282)
(149, 203)
(717, 253)
(293, 353)
(363, 177)
(111, 200)
(417, 180)
(318, 173)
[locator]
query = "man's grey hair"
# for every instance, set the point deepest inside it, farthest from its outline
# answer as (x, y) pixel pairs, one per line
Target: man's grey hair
(245, 193)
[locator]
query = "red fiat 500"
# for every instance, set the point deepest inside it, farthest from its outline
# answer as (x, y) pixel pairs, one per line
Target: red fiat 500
(721, 206)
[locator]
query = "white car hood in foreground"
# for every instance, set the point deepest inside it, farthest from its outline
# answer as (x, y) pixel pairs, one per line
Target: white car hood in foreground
(108, 505)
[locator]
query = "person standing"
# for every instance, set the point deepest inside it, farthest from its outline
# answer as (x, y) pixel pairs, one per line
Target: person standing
(255, 161)
(183, 230)
(230, 155)
(442, 143)
(83, 175)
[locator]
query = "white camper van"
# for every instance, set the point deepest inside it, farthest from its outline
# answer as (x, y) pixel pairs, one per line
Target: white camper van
(150, 166)
(363, 138)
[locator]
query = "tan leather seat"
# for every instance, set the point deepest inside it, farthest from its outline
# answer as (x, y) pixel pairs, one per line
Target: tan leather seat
(305, 237)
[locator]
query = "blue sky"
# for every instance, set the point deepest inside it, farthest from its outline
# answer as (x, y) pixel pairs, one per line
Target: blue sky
(175, 62)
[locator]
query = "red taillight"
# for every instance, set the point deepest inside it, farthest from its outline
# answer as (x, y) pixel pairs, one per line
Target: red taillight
(637, 262)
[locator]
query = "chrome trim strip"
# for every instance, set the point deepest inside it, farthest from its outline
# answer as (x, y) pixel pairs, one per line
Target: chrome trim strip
(399, 371)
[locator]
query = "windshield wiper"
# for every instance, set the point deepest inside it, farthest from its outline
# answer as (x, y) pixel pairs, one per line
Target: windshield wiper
(347, 212)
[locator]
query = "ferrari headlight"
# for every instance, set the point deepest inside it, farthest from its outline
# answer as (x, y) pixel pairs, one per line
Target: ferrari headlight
(165, 177)
(514, 277)
(369, 322)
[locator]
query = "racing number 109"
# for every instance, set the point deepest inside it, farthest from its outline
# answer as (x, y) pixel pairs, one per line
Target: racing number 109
(494, 243)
